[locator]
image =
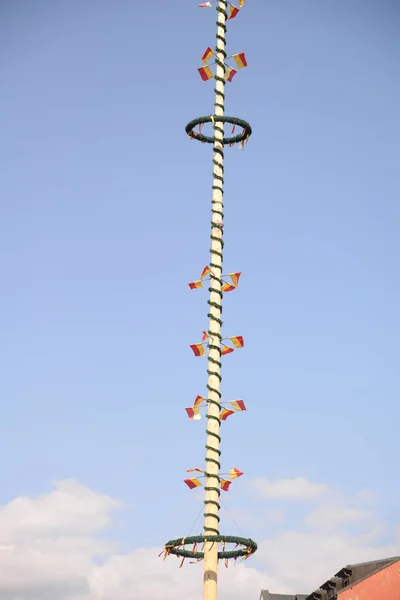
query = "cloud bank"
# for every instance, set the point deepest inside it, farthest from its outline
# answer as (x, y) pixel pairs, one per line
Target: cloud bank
(52, 547)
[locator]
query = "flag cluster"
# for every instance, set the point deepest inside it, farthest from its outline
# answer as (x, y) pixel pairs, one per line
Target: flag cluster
(194, 412)
(206, 73)
(227, 286)
(236, 341)
(194, 482)
(233, 10)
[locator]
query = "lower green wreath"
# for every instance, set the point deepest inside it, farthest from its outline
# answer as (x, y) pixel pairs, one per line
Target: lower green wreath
(241, 137)
(177, 547)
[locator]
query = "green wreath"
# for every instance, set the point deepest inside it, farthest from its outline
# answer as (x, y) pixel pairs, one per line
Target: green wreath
(177, 547)
(241, 137)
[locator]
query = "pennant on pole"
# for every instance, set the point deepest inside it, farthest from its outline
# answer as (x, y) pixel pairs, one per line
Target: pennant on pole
(238, 405)
(225, 413)
(237, 341)
(235, 473)
(205, 73)
(193, 413)
(198, 349)
(240, 60)
(199, 400)
(225, 485)
(228, 287)
(235, 278)
(207, 4)
(205, 272)
(193, 483)
(233, 12)
(196, 470)
(229, 74)
(226, 350)
(207, 55)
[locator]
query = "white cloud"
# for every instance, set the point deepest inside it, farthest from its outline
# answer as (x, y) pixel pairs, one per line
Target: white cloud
(327, 517)
(142, 576)
(293, 489)
(253, 519)
(304, 560)
(275, 515)
(71, 509)
(49, 545)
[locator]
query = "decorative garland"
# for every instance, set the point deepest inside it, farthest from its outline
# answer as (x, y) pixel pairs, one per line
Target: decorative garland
(177, 547)
(205, 139)
(217, 141)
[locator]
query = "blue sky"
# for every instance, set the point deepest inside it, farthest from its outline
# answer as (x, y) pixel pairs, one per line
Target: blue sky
(105, 218)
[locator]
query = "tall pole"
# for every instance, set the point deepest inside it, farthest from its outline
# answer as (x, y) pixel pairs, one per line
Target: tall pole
(212, 488)
(212, 546)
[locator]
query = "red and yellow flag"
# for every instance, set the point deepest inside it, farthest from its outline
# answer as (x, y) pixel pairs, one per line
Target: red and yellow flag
(193, 413)
(238, 405)
(225, 413)
(199, 400)
(192, 483)
(205, 272)
(233, 11)
(205, 336)
(207, 55)
(225, 485)
(240, 60)
(237, 341)
(228, 287)
(199, 284)
(229, 74)
(196, 470)
(205, 73)
(226, 350)
(234, 277)
(241, 3)
(234, 473)
(198, 349)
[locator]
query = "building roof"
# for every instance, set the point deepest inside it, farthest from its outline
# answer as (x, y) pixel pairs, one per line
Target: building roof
(377, 565)
(266, 595)
(350, 575)
(347, 576)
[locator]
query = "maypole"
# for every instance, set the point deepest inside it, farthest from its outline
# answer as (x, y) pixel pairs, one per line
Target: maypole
(212, 546)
